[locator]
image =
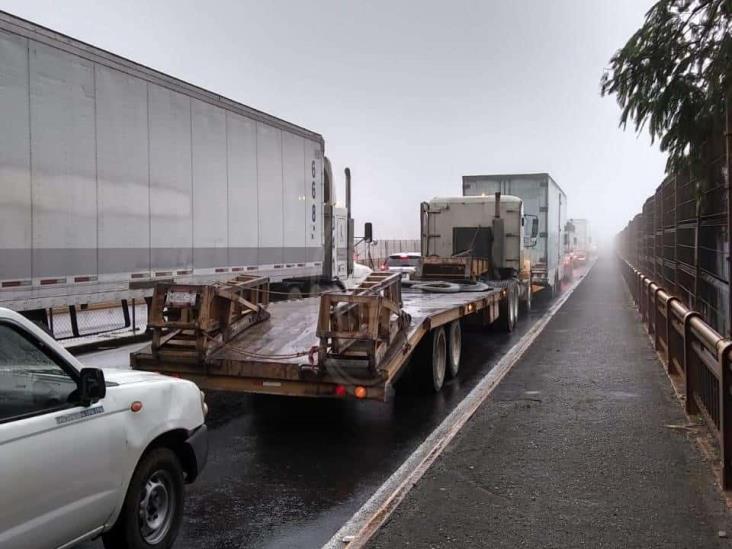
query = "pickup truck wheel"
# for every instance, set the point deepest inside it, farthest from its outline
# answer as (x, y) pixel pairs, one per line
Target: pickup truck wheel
(454, 348)
(153, 508)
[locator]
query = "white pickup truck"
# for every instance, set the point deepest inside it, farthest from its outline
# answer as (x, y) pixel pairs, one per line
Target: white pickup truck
(84, 454)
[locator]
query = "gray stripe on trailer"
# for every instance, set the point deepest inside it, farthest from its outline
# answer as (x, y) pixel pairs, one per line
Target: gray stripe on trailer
(123, 260)
(58, 262)
(48, 262)
(314, 254)
(243, 256)
(209, 257)
(294, 255)
(15, 263)
(171, 258)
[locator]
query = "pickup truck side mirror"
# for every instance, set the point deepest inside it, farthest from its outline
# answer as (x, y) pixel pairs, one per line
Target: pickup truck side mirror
(91, 386)
(534, 227)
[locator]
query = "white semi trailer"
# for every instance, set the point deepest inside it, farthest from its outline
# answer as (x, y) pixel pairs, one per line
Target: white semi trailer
(544, 199)
(115, 176)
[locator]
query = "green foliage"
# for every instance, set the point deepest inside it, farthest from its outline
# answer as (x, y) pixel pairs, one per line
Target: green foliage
(674, 74)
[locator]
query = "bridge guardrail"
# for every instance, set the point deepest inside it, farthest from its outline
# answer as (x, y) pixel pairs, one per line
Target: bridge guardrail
(691, 349)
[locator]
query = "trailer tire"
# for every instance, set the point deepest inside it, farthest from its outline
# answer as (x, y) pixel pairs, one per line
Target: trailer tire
(454, 348)
(294, 293)
(431, 364)
(525, 305)
(507, 311)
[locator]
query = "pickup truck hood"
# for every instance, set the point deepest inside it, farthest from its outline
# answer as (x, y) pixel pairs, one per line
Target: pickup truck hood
(124, 377)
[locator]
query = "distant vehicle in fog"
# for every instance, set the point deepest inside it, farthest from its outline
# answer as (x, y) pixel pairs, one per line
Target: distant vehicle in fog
(405, 263)
(580, 240)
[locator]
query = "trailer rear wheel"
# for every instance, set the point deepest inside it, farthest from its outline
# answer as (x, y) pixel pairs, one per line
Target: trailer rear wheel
(454, 348)
(430, 364)
(526, 303)
(507, 310)
(439, 358)
(294, 293)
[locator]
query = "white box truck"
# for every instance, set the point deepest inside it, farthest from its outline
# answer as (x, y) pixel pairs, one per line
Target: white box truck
(115, 176)
(543, 198)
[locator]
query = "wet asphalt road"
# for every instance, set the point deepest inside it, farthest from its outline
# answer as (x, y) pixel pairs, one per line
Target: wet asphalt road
(287, 472)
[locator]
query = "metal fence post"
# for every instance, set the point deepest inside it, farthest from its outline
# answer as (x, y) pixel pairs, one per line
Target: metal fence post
(642, 299)
(74, 321)
(725, 414)
(670, 354)
(729, 203)
(126, 313)
(652, 289)
(689, 370)
(656, 319)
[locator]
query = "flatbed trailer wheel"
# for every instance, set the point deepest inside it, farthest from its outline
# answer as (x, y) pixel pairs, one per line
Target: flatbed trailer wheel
(439, 358)
(526, 303)
(508, 310)
(431, 363)
(454, 348)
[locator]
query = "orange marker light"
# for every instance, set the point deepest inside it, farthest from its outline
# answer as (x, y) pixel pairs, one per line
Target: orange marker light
(136, 406)
(360, 392)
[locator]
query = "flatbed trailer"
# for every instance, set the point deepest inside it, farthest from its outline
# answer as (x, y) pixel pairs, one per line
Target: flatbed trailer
(342, 344)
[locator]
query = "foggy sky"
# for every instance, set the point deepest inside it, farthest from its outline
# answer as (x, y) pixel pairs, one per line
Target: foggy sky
(410, 95)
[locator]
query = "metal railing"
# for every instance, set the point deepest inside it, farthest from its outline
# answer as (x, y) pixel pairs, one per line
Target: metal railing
(691, 349)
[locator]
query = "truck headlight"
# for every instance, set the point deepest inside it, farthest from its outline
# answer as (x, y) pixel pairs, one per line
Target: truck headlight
(204, 406)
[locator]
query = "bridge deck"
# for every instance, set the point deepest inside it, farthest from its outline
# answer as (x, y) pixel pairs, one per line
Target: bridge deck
(583, 444)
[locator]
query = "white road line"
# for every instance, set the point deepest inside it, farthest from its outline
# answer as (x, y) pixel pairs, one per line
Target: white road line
(368, 519)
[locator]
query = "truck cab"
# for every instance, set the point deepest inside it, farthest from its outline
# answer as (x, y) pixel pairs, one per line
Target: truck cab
(491, 230)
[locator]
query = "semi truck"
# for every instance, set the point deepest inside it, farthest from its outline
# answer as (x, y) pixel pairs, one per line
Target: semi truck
(580, 240)
(358, 343)
(544, 199)
(490, 229)
(115, 176)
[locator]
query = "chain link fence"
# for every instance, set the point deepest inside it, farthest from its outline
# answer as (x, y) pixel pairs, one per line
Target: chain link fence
(84, 321)
(680, 239)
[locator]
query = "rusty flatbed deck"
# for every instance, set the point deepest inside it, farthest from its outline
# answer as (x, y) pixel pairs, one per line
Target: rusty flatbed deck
(279, 355)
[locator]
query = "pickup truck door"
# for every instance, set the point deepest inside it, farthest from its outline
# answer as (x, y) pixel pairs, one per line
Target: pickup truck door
(61, 464)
